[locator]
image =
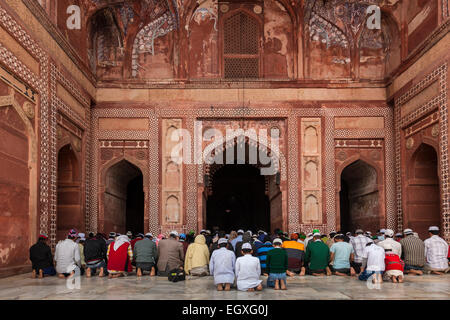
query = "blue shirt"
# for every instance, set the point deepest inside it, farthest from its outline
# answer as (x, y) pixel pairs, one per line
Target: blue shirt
(342, 251)
(262, 253)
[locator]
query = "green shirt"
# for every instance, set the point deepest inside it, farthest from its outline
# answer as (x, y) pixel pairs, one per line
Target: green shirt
(317, 255)
(277, 261)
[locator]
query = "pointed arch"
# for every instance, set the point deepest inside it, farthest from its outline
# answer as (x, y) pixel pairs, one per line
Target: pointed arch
(360, 195)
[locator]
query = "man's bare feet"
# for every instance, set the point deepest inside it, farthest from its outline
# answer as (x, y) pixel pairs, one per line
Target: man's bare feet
(152, 273)
(380, 278)
(437, 273)
(219, 287)
(41, 274)
(352, 272)
(33, 274)
(251, 290)
(259, 288)
(400, 279)
(102, 273)
(283, 285)
(340, 274)
(328, 271)
(277, 285)
(302, 272)
(139, 272)
(416, 272)
(227, 286)
(88, 273)
(61, 276)
(290, 273)
(394, 279)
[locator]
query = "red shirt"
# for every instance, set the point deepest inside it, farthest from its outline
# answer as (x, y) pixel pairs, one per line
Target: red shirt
(393, 262)
(118, 259)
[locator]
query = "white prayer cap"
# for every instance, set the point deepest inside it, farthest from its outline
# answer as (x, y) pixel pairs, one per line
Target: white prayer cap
(251, 233)
(240, 231)
(432, 228)
(149, 234)
(359, 231)
(382, 230)
(317, 234)
(247, 246)
(399, 234)
(81, 235)
(277, 240)
(129, 233)
(407, 231)
(223, 240)
(202, 231)
(389, 232)
(310, 234)
(174, 232)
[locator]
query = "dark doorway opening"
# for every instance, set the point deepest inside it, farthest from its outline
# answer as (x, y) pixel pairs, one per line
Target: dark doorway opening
(359, 198)
(135, 205)
(124, 198)
(238, 199)
(69, 213)
(423, 192)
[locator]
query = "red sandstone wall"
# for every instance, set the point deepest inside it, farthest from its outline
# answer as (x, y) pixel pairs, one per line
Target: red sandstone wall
(14, 187)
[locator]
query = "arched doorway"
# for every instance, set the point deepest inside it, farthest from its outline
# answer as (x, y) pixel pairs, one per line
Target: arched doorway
(359, 197)
(239, 197)
(423, 192)
(124, 198)
(69, 211)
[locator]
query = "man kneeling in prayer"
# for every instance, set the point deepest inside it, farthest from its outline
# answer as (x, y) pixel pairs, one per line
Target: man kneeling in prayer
(248, 270)
(222, 265)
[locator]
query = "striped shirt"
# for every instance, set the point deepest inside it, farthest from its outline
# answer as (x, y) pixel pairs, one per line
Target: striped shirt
(359, 245)
(413, 251)
(436, 250)
(262, 253)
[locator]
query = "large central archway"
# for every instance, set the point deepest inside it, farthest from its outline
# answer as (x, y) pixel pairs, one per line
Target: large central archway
(239, 196)
(238, 199)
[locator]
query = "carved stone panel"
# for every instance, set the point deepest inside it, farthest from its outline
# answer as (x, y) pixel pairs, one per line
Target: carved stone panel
(172, 179)
(311, 170)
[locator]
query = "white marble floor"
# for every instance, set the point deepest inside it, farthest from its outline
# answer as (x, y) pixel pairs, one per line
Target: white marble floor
(22, 287)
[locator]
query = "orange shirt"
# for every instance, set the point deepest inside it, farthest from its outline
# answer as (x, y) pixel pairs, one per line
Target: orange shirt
(293, 244)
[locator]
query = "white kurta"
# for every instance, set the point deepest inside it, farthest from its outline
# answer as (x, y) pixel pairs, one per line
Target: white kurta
(222, 265)
(67, 256)
(248, 272)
